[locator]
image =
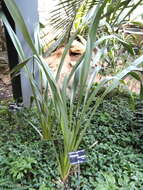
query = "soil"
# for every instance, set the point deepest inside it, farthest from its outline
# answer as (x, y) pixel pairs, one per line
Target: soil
(5, 91)
(5, 82)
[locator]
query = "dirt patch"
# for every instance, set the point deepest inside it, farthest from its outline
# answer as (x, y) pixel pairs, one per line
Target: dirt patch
(5, 91)
(54, 60)
(5, 82)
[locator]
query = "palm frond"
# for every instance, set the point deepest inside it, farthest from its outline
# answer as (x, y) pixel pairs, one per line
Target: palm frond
(65, 16)
(70, 15)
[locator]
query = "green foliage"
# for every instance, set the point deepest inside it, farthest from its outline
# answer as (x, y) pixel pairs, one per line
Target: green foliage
(106, 182)
(51, 101)
(21, 166)
(77, 15)
(113, 147)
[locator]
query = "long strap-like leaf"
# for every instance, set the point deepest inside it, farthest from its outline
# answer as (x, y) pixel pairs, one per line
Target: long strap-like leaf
(20, 23)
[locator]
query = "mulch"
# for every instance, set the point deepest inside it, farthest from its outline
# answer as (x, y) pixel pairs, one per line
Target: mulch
(5, 81)
(5, 84)
(5, 91)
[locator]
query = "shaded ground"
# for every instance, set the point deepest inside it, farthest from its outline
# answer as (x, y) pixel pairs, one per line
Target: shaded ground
(5, 87)
(5, 83)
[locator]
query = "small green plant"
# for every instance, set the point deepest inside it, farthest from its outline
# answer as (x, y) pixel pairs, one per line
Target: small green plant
(21, 167)
(106, 181)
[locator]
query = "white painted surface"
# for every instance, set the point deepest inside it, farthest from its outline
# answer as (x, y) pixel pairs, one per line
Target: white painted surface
(30, 14)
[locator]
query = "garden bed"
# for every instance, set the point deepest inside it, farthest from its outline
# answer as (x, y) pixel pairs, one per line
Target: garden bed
(113, 145)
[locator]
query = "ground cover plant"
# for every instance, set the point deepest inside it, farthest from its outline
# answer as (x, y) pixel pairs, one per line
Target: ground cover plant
(64, 121)
(51, 101)
(113, 145)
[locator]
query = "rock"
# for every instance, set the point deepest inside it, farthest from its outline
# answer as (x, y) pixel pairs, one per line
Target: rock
(3, 60)
(1, 76)
(77, 47)
(6, 79)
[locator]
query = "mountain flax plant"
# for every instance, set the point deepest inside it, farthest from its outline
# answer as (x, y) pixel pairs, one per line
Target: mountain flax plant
(71, 114)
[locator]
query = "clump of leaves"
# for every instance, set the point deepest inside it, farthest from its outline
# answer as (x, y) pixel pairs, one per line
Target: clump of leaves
(22, 166)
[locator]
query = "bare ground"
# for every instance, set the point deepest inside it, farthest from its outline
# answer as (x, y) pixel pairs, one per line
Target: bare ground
(5, 82)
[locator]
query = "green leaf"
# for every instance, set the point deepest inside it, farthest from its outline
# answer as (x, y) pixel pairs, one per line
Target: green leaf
(13, 36)
(20, 23)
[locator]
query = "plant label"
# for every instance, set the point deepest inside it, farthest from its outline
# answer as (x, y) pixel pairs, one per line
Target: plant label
(77, 157)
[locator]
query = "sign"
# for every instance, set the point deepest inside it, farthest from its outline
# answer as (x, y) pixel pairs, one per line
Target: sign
(13, 107)
(77, 157)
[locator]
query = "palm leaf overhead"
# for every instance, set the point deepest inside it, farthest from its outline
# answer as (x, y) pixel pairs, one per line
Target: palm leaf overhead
(69, 16)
